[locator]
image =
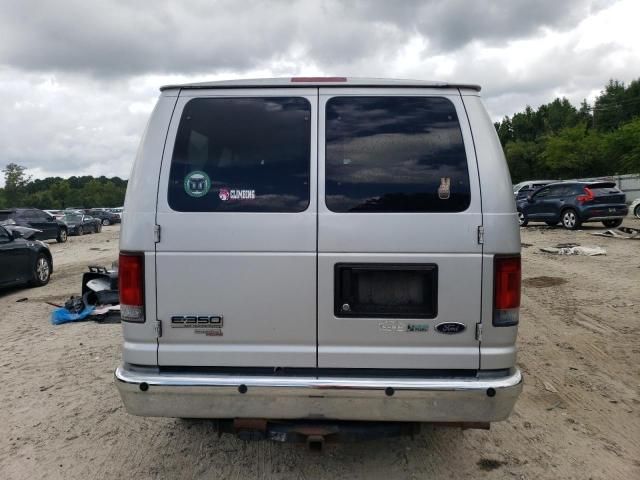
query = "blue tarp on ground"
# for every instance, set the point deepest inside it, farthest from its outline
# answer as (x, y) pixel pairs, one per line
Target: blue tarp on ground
(62, 315)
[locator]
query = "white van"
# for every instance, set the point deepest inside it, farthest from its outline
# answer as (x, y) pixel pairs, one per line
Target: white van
(320, 249)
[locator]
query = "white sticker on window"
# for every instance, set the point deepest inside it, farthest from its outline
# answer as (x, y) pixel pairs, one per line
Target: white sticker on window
(226, 194)
(444, 190)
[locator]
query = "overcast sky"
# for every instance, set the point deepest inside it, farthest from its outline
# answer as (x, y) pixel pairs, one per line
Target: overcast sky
(79, 78)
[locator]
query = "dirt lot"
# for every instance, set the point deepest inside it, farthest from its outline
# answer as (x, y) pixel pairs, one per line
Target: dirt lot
(578, 417)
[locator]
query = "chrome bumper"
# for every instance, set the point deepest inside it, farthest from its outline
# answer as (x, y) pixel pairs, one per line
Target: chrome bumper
(273, 397)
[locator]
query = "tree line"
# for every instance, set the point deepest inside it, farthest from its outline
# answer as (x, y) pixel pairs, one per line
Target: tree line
(561, 141)
(55, 193)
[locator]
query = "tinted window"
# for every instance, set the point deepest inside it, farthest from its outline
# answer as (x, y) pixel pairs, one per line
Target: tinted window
(543, 192)
(242, 155)
(564, 190)
(558, 190)
(40, 216)
(395, 154)
(4, 235)
(524, 192)
(29, 215)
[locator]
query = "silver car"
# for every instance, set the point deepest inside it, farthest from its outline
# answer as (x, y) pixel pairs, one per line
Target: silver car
(634, 208)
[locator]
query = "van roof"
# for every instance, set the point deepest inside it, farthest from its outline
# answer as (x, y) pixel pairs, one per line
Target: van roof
(290, 82)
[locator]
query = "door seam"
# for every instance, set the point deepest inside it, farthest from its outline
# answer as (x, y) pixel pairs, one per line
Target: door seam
(317, 218)
(482, 275)
(155, 222)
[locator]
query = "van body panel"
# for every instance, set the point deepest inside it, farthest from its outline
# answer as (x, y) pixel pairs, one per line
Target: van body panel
(137, 229)
(497, 194)
(263, 299)
(358, 283)
(255, 270)
(388, 342)
(501, 231)
(141, 339)
(140, 199)
(446, 240)
(498, 346)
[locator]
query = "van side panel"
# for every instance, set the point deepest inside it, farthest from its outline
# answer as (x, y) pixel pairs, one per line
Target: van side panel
(501, 231)
(140, 340)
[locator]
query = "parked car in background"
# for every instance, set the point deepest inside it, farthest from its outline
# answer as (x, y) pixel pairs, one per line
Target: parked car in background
(51, 228)
(107, 218)
(574, 203)
(523, 189)
(118, 211)
(635, 207)
(23, 260)
(79, 223)
(57, 214)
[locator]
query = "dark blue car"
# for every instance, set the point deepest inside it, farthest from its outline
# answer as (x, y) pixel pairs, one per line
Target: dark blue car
(574, 203)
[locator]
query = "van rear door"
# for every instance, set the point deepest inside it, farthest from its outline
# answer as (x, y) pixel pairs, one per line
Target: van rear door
(236, 260)
(399, 258)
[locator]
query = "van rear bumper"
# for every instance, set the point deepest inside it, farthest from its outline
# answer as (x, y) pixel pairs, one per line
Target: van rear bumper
(484, 399)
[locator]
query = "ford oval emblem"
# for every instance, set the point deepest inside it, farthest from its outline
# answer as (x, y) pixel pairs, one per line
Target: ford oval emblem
(450, 328)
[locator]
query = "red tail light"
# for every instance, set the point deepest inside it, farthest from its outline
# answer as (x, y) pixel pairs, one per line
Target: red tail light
(131, 285)
(587, 196)
(506, 290)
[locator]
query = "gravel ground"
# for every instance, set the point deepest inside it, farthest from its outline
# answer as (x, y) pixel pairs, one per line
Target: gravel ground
(61, 415)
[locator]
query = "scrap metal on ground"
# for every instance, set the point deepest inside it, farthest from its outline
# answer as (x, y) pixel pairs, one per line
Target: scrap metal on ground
(99, 300)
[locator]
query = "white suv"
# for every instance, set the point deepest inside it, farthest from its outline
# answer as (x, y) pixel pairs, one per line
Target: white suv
(320, 248)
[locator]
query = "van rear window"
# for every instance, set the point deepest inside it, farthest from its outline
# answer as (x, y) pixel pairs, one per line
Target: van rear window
(395, 154)
(242, 155)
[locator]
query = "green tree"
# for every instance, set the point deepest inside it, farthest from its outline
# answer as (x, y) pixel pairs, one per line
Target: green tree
(575, 152)
(526, 125)
(623, 147)
(15, 181)
(524, 160)
(608, 112)
(557, 115)
(505, 130)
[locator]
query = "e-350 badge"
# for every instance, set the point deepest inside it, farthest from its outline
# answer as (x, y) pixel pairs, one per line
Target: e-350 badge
(209, 325)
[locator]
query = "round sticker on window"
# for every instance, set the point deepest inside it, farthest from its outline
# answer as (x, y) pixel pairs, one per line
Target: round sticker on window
(197, 184)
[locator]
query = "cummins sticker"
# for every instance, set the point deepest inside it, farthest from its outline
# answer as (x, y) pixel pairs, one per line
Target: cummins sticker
(226, 194)
(197, 184)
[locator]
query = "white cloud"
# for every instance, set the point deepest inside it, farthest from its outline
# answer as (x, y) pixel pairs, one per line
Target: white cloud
(79, 79)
